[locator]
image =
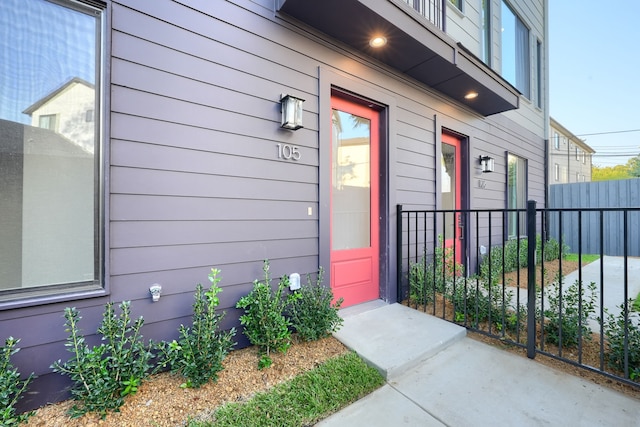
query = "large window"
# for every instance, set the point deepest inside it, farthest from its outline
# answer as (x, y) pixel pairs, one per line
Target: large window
(516, 195)
(50, 235)
(485, 33)
(539, 75)
(516, 68)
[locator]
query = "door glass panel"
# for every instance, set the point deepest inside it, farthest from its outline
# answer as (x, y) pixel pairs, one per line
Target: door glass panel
(351, 181)
(448, 187)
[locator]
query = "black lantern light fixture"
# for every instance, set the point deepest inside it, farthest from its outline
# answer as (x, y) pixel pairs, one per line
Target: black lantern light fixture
(291, 107)
(487, 164)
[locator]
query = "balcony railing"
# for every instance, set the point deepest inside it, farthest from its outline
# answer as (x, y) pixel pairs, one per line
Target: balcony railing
(433, 10)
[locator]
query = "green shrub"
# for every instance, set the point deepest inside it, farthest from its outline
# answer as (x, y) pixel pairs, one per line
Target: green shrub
(11, 386)
(516, 257)
(104, 375)
(428, 278)
(614, 330)
(199, 352)
(565, 323)
(264, 322)
(481, 301)
(311, 311)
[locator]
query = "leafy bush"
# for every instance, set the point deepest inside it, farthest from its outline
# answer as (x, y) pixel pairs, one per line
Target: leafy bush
(104, 375)
(199, 352)
(311, 311)
(428, 278)
(264, 323)
(481, 301)
(11, 386)
(614, 330)
(516, 257)
(565, 322)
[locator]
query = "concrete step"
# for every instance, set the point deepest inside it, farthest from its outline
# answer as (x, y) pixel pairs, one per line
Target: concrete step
(394, 338)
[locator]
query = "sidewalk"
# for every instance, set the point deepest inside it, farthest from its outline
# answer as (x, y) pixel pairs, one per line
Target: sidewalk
(436, 376)
(615, 284)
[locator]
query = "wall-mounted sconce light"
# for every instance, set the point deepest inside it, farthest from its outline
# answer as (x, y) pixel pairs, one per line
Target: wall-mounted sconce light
(155, 291)
(291, 112)
(487, 164)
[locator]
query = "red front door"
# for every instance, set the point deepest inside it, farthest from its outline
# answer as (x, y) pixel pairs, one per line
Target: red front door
(354, 202)
(451, 194)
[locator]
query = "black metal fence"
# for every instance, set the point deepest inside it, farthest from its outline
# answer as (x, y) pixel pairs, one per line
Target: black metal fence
(497, 272)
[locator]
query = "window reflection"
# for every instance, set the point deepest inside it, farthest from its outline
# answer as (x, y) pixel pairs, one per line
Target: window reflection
(351, 181)
(48, 147)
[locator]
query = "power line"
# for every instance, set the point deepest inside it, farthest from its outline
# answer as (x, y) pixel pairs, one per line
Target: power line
(609, 133)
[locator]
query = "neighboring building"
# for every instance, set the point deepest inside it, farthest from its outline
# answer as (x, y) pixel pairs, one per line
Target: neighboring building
(69, 111)
(570, 158)
(190, 167)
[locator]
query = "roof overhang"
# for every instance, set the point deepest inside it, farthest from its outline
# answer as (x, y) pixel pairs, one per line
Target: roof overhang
(414, 46)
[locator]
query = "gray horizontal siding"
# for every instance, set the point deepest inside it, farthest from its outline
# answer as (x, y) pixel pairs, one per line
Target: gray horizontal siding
(126, 207)
(136, 286)
(156, 182)
(158, 258)
(148, 156)
(159, 132)
(194, 179)
(166, 233)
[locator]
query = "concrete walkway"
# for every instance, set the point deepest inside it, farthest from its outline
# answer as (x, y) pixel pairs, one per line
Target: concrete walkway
(436, 376)
(615, 286)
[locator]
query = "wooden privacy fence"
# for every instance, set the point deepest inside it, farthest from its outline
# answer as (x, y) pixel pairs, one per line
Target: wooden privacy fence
(611, 205)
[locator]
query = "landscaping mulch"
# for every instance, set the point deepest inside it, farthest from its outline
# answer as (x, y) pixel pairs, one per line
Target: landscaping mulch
(161, 402)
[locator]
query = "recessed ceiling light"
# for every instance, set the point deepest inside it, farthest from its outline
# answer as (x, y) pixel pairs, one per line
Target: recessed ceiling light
(471, 95)
(378, 41)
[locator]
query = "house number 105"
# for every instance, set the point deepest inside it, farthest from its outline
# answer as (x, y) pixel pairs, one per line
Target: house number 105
(288, 152)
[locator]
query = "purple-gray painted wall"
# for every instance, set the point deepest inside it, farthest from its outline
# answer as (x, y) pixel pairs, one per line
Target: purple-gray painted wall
(193, 176)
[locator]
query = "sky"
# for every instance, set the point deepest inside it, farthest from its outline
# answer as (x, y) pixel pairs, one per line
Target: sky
(43, 47)
(594, 73)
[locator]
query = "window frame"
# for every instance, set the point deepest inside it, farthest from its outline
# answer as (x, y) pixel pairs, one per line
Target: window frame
(514, 217)
(458, 4)
(485, 31)
(98, 286)
(556, 140)
(521, 82)
(557, 171)
(539, 73)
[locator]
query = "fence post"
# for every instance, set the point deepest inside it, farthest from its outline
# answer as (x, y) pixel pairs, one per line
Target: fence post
(399, 294)
(531, 279)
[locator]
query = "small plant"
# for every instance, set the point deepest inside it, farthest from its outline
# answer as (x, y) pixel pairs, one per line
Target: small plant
(311, 311)
(104, 375)
(264, 323)
(479, 300)
(516, 256)
(199, 352)
(11, 386)
(615, 329)
(426, 278)
(636, 303)
(567, 319)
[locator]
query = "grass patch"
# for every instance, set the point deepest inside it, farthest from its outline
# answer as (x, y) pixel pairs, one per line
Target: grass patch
(305, 399)
(636, 304)
(586, 258)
